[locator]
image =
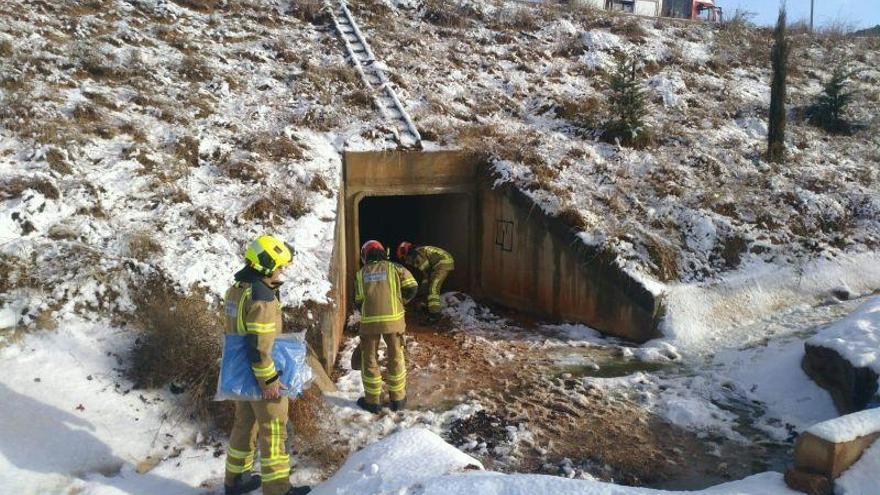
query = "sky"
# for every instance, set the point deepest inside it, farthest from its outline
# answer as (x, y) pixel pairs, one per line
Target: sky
(860, 13)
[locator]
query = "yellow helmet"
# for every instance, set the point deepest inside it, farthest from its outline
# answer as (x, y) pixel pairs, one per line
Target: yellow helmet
(268, 253)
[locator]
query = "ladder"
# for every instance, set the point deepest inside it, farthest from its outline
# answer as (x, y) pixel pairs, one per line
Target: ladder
(373, 76)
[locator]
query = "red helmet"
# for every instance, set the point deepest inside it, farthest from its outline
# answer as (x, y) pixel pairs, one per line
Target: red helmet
(370, 246)
(403, 249)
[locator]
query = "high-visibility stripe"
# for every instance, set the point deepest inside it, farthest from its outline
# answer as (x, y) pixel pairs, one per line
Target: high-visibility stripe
(264, 372)
(232, 468)
(274, 461)
(261, 328)
(275, 447)
(359, 286)
(409, 282)
(383, 318)
(397, 388)
(397, 377)
(277, 475)
(238, 454)
(369, 379)
(240, 328)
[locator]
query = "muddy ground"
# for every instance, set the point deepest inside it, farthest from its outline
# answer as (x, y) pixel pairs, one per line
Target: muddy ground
(540, 417)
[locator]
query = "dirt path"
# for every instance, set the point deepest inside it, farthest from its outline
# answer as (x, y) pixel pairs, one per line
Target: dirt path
(540, 418)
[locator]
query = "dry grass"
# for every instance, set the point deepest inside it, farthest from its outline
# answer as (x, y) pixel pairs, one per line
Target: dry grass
(6, 48)
(194, 68)
(181, 341)
(630, 29)
(314, 431)
(310, 11)
(518, 17)
(276, 206)
(57, 160)
(448, 13)
(14, 187)
(201, 5)
(278, 148)
(142, 246)
(243, 170)
(664, 257)
(586, 112)
(186, 148)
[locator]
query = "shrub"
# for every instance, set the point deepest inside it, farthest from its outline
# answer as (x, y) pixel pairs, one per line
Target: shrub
(275, 207)
(310, 11)
(143, 247)
(448, 13)
(314, 429)
(830, 108)
(628, 105)
(779, 62)
(181, 341)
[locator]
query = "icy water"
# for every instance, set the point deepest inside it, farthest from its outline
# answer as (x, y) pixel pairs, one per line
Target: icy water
(569, 403)
(752, 385)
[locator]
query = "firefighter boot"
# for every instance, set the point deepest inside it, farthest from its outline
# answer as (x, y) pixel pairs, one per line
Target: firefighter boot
(398, 405)
(243, 483)
(373, 408)
(299, 490)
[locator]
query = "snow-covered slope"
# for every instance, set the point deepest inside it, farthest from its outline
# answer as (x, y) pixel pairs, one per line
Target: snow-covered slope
(527, 84)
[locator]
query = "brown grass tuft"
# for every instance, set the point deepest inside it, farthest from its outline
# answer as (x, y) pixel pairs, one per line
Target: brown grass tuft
(245, 171)
(277, 148)
(57, 160)
(276, 206)
(194, 68)
(664, 257)
(314, 430)
(14, 187)
(142, 246)
(200, 5)
(630, 29)
(186, 148)
(310, 11)
(181, 341)
(6, 48)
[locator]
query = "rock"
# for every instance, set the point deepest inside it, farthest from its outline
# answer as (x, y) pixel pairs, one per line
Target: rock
(851, 388)
(813, 454)
(809, 483)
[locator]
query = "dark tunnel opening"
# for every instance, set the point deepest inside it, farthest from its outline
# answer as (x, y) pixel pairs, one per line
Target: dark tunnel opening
(442, 220)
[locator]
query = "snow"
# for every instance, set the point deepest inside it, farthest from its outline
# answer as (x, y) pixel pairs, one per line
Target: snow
(418, 461)
(856, 337)
(702, 318)
(862, 477)
(69, 415)
(849, 427)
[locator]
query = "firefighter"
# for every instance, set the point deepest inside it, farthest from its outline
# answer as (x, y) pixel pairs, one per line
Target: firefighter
(253, 309)
(435, 264)
(382, 288)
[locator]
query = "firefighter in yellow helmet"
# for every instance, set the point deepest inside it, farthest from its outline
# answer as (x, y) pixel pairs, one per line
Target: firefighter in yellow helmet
(253, 309)
(382, 288)
(435, 264)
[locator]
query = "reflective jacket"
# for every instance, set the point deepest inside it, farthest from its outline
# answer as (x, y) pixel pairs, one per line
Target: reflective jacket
(254, 310)
(428, 259)
(381, 289)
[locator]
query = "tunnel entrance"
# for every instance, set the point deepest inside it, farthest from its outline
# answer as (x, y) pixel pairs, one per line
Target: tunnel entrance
(442, 220)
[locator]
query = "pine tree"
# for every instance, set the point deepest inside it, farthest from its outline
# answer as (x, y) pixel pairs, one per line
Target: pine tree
(628, 103)
(830, 107)
(779, 61)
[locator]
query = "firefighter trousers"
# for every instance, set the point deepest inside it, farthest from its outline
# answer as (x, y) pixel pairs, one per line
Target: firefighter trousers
(264, 421)
(371, 374)
(435, 284)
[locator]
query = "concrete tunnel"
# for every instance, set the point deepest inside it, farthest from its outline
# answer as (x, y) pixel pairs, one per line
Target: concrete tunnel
(506, 250)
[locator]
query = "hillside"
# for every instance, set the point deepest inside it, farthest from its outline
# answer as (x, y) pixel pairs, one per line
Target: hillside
(143, 143)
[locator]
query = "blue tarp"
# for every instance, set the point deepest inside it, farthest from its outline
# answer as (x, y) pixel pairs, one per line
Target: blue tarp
(237, 380)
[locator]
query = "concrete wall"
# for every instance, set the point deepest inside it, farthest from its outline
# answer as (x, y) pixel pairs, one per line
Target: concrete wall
(535, 263)
(332, 321)
(517, 256)
(417, 173)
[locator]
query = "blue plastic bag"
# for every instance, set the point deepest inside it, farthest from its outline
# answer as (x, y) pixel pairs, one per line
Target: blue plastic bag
(237, 380)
